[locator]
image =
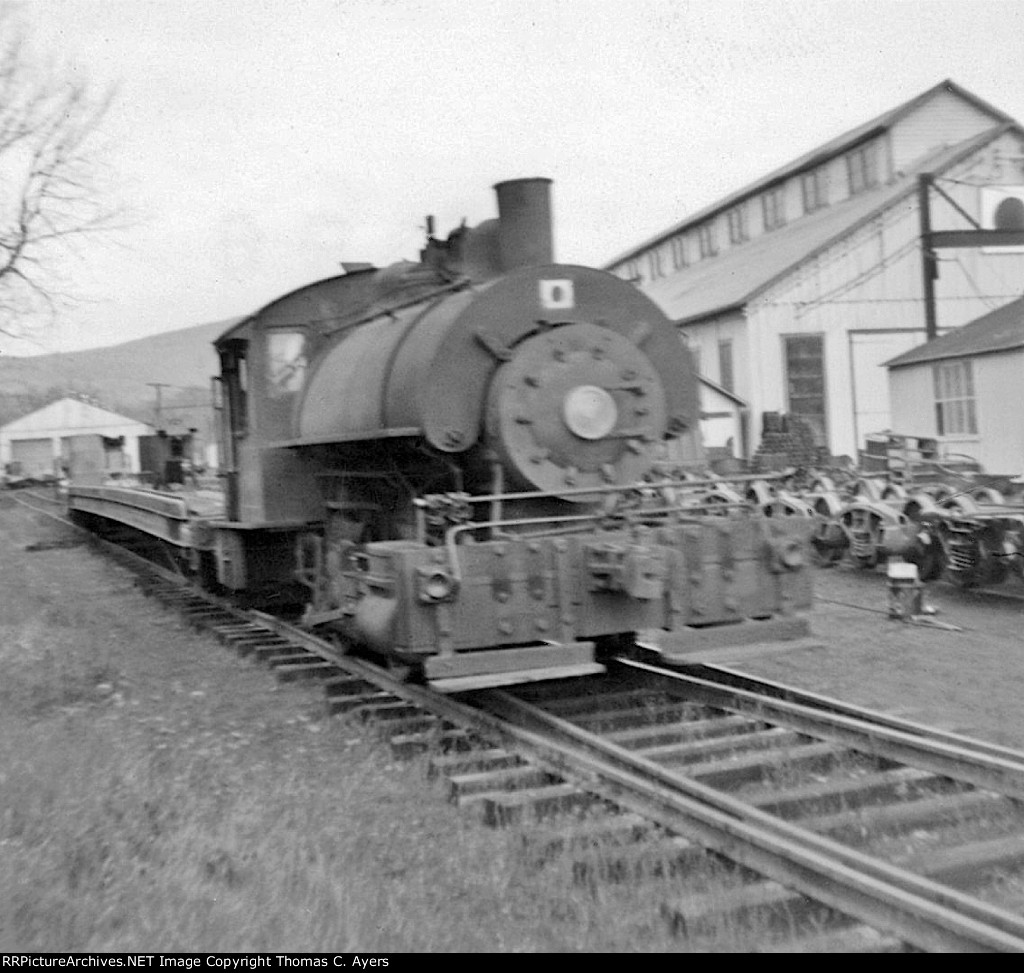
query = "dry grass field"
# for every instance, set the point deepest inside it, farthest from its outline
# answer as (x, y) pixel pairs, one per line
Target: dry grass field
(159, 793)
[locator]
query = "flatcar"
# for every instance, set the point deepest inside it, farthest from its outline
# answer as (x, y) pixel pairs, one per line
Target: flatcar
(453, 462)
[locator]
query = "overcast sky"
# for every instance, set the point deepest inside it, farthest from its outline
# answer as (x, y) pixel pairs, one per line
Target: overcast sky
(258, 144)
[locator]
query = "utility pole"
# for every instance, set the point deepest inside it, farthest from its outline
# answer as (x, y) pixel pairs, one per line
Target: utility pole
(932, 240)
(158, 415)
(929, 259)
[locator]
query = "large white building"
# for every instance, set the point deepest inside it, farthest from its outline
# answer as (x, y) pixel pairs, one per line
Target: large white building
(58, 434)
(795, 290)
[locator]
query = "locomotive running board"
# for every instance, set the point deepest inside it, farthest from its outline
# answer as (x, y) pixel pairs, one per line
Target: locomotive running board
(463, 671)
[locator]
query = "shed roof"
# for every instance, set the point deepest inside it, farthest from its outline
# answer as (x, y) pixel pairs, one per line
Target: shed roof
(733, 278)
(73, 415)
(809, 160)
(999, 330)
(722, 391)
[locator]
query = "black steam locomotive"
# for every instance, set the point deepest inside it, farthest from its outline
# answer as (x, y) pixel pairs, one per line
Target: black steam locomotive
(452, 459)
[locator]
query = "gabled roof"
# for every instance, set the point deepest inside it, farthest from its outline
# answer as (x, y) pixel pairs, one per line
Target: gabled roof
(810, 160)
(999, 330)
(736, 276)
(69, 412)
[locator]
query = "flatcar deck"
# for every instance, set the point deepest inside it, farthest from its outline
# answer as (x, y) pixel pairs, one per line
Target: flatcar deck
(167, 516)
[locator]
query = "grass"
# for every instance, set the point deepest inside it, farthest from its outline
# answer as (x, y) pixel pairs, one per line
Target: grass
(158, 793)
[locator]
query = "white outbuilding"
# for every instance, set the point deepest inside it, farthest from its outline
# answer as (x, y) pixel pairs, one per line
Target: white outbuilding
(965, 390)
(72, 435)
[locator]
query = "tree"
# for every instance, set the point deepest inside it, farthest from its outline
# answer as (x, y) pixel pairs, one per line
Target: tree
(51, 193)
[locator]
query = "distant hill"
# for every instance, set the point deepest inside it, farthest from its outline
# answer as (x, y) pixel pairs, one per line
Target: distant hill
(117, 377)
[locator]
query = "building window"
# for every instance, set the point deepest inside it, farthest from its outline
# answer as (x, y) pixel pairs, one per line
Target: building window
(678, 253)
(725, 377)
(631, 272)
(814, 189)
(862, 168)
(737, 225)
(706, 241)
(773, 203)
(954, 399)
(805, 382)
(654, 264)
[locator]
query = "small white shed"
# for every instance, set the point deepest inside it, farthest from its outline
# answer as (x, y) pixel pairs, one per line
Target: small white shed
(966, 389)
(723, 419)
(48, 439)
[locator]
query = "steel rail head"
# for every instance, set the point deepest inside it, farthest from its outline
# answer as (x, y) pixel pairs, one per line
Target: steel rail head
(924, 913)
(741, 680)
(1004, 774)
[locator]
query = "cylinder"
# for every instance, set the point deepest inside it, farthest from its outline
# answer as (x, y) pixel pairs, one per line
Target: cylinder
(524, 215)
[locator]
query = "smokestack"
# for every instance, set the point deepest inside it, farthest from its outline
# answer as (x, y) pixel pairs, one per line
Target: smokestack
(524, 222)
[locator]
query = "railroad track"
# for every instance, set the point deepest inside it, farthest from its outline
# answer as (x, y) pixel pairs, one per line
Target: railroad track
(853, 830)
(774, 783)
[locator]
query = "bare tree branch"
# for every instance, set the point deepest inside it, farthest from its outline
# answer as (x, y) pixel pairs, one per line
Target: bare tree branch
(51, 193)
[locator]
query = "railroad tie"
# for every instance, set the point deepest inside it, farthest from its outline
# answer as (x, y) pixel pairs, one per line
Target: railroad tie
(535, 804)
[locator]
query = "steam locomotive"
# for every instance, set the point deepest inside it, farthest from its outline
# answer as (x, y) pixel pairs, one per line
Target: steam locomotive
(454, 463)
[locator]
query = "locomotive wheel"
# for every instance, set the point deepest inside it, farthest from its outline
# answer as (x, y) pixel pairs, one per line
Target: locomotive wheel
(893, 491)
(867, 488)
(719, 497)
(827, 505)
(960, 505)
(827, 531)
(869, 561)
(823, 543)
(939, 492)
(786, 505)
(822, 484)
(759, 493)
(826, 557)
(919, 504)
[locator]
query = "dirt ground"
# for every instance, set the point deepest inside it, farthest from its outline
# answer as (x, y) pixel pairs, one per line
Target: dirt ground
(970, 681)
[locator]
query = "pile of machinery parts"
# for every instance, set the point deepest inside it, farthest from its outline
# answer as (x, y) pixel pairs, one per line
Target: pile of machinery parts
(952, 521)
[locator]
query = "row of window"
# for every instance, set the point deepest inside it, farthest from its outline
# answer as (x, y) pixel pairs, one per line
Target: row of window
(861, 172)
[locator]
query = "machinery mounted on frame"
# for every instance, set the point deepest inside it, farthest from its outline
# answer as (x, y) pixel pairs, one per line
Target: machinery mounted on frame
(454, 461)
